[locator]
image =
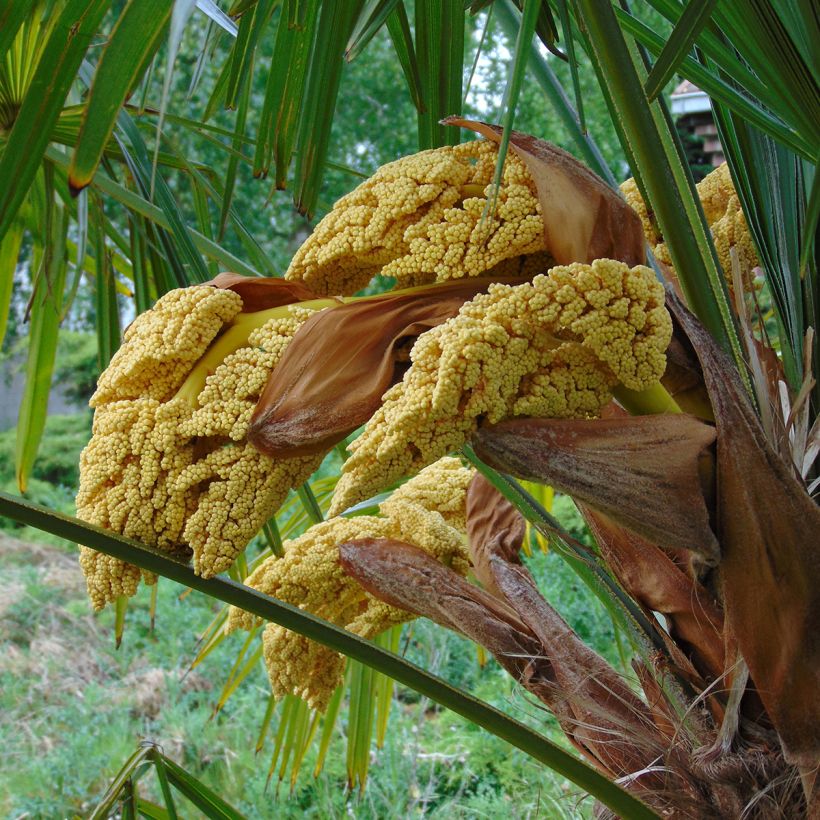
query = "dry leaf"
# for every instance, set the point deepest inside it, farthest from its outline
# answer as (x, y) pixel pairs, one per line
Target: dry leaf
(262, 292)
(333, 374)
(663, 713)
(599, 713)
(406, 577)
(607, 717)
(769, 530)
(494, 527)
(584, 219)
(642, 471)
(662, 584)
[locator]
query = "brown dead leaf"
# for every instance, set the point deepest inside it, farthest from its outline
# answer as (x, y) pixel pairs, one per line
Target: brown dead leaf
(596, 709)
(768, 528)
(584, 219)
(641, 471)
(660, 583)
(663, 713)
(406, 577)
(607, 717)
(494, 527)
(333, 374)
(262, 292)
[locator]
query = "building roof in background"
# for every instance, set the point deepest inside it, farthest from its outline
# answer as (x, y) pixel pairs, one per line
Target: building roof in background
(687, 98)
(686, 88)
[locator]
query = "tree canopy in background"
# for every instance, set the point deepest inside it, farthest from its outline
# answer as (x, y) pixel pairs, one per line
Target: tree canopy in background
(145, 147)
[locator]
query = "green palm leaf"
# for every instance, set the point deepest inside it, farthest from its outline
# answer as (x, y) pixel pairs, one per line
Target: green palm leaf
(133, 42)
(353, 646)
(55, 73)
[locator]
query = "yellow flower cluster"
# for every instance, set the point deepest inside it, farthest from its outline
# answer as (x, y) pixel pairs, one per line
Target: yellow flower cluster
(161, 345)
(554, 347)
(174, 470)
(425, 218)
(441, 487)
(724, 216)
(728, 223)
(126, 485)
(310, 576)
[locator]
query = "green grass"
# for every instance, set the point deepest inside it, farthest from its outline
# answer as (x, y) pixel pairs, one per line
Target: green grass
(56, 471)
(73, 708)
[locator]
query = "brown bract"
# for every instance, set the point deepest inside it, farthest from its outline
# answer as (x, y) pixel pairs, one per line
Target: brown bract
(262, 292)
(770, 569)
(332, 377)
(642, 471)
(596, 709)
(584, 219)
(494, 527)
(663, 582)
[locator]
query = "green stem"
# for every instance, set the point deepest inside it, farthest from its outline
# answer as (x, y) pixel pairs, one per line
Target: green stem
(309, 502)
(235, 337)
(545, 77)
(314, 628)
(654, 400)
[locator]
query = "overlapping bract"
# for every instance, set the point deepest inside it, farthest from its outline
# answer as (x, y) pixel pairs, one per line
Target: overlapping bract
(724, 215)
(424, 218)
(554, 347)
(427, 511)
(171, 468)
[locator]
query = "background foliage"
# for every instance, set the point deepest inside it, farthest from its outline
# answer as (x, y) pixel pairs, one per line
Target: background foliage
(181, 192)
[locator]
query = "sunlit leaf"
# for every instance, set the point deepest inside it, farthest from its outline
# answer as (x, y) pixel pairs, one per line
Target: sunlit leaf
(59, 62)
(134, 39)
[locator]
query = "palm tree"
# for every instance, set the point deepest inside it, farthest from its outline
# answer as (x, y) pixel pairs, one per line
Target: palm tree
(729, 708)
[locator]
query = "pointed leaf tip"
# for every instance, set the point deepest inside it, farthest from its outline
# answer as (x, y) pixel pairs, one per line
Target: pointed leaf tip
(77, 186)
